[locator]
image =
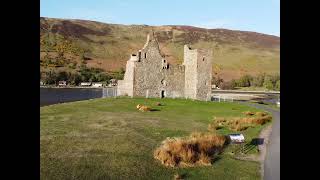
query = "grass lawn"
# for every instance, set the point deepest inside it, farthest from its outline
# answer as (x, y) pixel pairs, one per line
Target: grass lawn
(109, 139)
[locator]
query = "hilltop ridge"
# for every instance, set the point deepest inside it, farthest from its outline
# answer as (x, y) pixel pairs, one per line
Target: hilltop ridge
(108, 46)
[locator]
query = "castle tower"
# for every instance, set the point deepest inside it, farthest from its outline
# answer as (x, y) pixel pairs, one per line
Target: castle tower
(198, 73)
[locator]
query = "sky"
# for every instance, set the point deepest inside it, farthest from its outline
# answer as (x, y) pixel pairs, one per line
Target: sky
(261, 16)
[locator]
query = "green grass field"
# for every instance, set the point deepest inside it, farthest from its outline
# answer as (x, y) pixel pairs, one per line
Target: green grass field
(110, 139)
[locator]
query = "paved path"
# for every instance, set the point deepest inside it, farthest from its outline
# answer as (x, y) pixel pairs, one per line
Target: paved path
(272, 160)
(245, 92)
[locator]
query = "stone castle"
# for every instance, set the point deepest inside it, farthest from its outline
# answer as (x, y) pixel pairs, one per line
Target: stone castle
(148, 74)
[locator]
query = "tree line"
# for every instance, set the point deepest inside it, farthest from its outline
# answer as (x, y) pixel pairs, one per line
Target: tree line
(84, 74)
(270, 82)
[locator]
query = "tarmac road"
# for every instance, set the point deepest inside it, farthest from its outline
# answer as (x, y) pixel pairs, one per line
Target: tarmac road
(272, 158)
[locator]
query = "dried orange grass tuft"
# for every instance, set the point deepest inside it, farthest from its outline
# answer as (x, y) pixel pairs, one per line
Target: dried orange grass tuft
(197, 149)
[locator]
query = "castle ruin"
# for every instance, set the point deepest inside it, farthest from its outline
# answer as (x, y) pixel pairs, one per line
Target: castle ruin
(148, 74)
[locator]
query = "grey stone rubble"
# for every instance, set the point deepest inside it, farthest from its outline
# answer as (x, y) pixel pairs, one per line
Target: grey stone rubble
(148, 74)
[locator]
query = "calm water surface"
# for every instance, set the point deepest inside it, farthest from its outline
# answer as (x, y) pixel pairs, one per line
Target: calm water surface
(59, 95)
(50, 96)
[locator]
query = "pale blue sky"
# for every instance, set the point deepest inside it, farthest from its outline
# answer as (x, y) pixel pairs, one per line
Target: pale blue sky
(248, 15)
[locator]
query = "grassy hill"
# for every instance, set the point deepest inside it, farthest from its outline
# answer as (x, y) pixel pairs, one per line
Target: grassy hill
(68, 44)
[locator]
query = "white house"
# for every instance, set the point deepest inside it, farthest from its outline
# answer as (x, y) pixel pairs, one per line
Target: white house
(85, 84)
(113, 82)
(97, 84)
(62, 83)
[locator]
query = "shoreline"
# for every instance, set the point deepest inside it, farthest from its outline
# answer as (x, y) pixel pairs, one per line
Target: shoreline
(75, 87)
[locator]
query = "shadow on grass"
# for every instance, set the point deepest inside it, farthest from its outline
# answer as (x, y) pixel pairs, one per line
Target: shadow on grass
(257, 141)
(155, 110)
(215, 159)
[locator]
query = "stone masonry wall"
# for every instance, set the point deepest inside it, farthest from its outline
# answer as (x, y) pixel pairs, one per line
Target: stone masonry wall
(204, 76)
(153, 74)
(149, 75)
(125, 86)
(174, 81)
(190, 63)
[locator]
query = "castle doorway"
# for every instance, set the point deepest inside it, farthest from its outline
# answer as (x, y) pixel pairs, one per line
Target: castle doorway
(163, 94)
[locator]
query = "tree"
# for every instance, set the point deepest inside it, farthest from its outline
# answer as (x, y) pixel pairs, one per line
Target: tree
(234, 83)
(50, 78)
(62, 76)
(274, 79)
(258, 80)
(227, 85)
(216, 80)
(119, 74)
(277, 87)
(268, 83)
(245, 80)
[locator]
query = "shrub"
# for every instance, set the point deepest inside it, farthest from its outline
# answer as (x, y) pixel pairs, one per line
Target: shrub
(216, 80)
(245, 81)
(268, 83)
(197, 149)
(227, 85)
(240, 124)
(177, 177)
(261, 113)
(277, 87)
(248, 113)
(258, 80)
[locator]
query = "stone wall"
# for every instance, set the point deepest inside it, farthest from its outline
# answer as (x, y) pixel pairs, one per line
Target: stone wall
(174, 78)
(190, 63)
(125, 86)
(204, 74)
(149, 75)
(148, 71)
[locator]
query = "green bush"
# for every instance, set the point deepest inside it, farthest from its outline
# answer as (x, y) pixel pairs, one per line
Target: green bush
(227, 85)
(50, 77)
(216, 80)
(245, 81)
(277, 85)
(268, 83)
(258, 80)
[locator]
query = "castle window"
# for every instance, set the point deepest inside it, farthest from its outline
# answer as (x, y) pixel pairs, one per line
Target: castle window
(164, 61)
(163, 82)
(203, 58)
(139, 55)
(145, 55)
